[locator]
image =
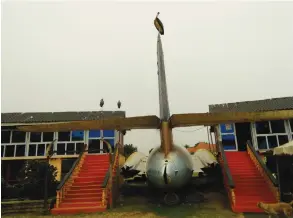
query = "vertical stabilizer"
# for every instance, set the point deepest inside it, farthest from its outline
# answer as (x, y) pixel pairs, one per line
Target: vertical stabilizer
(163, 95)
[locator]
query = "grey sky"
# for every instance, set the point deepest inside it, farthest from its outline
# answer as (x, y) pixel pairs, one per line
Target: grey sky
(66, 56)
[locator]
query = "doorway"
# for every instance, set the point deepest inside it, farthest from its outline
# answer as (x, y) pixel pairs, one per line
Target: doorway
(243, 134)
(94, 146)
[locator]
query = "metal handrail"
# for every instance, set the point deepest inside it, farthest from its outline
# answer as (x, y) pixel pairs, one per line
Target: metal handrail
(225, 165)
(263, 166)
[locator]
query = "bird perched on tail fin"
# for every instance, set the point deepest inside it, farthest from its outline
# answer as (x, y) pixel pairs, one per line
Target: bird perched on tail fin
(159, 25)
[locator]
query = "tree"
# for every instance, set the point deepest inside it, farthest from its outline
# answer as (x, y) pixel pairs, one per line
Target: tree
(31, 179)
(129, 149)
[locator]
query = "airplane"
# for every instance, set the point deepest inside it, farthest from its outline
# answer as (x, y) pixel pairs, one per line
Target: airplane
(169, 167)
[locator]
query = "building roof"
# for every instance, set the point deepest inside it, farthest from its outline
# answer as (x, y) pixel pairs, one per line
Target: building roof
(254, 106)
(202, 145)
(51, 117)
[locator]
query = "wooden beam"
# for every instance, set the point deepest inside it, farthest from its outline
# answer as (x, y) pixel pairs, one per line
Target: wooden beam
(209, 119)
(143, 122)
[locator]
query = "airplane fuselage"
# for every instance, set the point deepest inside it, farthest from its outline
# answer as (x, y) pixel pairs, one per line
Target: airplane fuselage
(169, 172)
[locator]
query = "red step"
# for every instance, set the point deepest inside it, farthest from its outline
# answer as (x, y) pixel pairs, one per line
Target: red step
(80, 204)
(77, 194)
(83, 199)
(84, 191)
(250, 186)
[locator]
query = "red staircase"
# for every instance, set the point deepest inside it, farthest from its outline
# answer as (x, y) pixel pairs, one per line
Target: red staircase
(250, 185)
(85, 193)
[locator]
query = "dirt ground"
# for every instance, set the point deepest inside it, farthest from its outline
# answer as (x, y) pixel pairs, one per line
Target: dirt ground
(216, 207)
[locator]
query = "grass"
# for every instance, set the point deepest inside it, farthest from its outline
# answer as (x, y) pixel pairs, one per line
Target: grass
(216, 207)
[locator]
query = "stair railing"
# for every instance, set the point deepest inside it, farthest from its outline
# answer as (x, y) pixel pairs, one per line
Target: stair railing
(68, 179)
(107, 198)
(264, 171)
(228, 180)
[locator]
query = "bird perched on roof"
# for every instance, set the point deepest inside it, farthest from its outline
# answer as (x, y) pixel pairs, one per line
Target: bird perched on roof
(102, 103)
(159, 25)
(119, 104)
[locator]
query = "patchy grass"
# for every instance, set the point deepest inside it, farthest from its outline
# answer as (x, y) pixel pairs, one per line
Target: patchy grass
(216, 207)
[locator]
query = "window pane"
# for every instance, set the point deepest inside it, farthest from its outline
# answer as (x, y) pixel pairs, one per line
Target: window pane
(79, 147)
(63, 136)
(262, 127)
(262, 142)
(70, 148)
(272, 141)
(5, 136)
(94, 133)
(283, 139)
(77, 135)
(2, 150)
(32, 150)
(48, 136)
(18, 136)
(36, 137)
(60, 149)
(111, 141)
(9, 151)
(278, 126)
(20, 151)
(108, 133)
(41, 150)
(105, 147)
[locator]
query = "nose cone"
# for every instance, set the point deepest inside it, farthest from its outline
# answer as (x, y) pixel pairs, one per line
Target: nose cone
(171, 172)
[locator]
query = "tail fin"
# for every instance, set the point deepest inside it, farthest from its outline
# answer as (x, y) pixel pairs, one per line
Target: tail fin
(163, 95)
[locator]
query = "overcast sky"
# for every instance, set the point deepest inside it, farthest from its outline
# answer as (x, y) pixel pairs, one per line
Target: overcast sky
(66, 56)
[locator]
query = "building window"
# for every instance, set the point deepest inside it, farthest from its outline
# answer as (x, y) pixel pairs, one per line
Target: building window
(9, 150)
(270, 134)
(94, 134)
(108, 133)
(70, 143)
(13, 143)
(38, 143)
(18, 137)
(5, 136)
(20, 150)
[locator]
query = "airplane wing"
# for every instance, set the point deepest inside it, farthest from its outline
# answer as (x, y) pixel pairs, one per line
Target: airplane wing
(142, 122)
(210, 119)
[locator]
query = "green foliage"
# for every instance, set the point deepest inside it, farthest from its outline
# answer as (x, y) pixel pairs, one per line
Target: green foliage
(129, 149)
(31, 179)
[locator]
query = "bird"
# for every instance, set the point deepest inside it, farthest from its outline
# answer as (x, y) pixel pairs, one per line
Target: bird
(102, 103)
(119, 104)
(159, 25)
